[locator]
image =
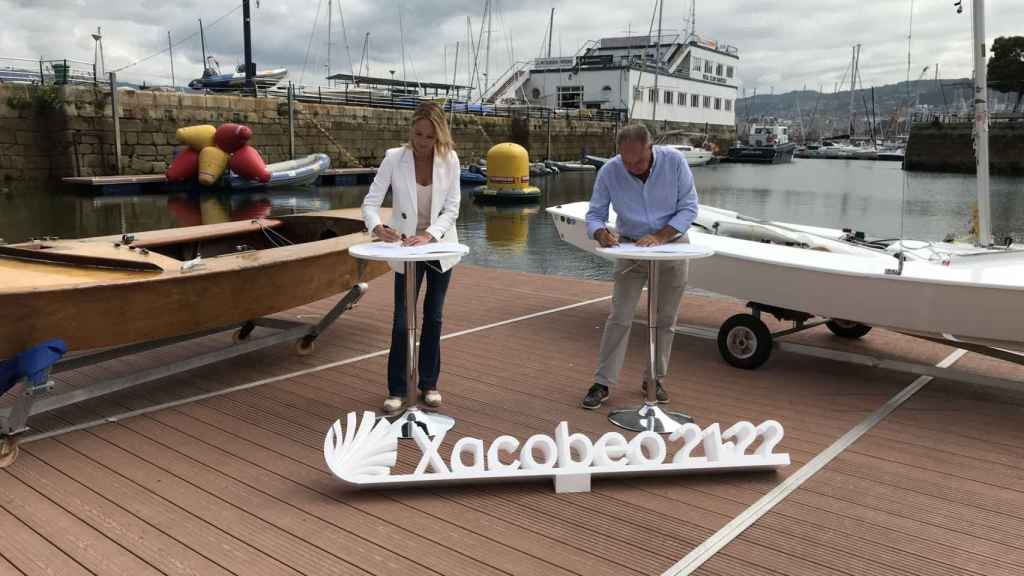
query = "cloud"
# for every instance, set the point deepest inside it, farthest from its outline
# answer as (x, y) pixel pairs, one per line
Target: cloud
(782, 45)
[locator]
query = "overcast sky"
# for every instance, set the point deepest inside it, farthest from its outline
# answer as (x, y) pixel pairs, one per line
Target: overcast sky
(782, 45)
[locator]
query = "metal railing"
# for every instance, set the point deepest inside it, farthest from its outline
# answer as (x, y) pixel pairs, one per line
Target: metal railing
(41, 71)
(963, 117)
(349, 96)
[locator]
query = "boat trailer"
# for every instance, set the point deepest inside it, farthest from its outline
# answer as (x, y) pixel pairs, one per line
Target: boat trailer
(32, 393)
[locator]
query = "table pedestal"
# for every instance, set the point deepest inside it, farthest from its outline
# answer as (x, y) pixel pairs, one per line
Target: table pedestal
(432, 423)
(650, 417)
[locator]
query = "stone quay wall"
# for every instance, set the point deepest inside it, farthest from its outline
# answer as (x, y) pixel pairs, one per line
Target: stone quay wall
(950, 148)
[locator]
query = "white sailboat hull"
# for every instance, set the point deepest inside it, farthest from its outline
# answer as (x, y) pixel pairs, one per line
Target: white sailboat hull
(980, 301)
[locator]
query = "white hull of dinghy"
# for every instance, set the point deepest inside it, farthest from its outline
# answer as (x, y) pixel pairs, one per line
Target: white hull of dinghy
(962, 301)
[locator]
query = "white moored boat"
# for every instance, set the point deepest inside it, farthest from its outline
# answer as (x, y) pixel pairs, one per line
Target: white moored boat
(694, 156)
(952, 292)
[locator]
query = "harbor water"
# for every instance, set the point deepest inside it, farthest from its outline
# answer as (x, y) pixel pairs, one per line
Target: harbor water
(875, 197)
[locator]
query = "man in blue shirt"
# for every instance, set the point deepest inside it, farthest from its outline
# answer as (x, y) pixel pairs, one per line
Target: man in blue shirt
(651, 189)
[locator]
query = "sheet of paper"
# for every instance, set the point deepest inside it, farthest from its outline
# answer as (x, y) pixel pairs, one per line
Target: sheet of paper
(627, 248)
(396, 250)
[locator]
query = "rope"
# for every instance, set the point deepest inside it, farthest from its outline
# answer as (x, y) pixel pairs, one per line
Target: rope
(180, 42)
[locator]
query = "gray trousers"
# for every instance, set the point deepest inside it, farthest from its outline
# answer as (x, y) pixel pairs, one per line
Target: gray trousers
(630, 278)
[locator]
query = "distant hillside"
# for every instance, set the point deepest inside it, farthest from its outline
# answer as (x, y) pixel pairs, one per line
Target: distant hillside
(827, 114)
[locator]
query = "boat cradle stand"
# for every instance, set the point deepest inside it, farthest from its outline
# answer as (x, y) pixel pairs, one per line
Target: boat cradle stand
(33, 399)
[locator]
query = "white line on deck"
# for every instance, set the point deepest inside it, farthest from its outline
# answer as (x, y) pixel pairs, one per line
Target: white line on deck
(254, 384)
(745, 519)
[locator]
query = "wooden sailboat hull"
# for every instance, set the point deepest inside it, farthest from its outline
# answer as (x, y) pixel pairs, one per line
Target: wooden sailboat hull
(95, 307)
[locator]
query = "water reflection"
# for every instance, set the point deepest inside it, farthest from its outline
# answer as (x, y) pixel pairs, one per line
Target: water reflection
(865, 196)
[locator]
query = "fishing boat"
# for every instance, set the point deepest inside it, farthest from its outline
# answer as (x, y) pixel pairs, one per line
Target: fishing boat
(118, 290)
(299, 172)
(768, 144)
(467, 176)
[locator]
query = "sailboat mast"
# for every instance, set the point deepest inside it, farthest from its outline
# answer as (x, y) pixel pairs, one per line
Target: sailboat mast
(202, 41)
(981, 124)
(250, 68)
(330, 22)
(487, 58)
(551, 29)
(657, 64)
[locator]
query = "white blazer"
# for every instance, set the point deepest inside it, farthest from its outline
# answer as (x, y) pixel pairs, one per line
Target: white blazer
(398, 171)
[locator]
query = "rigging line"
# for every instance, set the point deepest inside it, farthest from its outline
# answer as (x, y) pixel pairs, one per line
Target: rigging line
(344, 34)
(180, 42)
(909, 116)
(312, 33)
(643, 59)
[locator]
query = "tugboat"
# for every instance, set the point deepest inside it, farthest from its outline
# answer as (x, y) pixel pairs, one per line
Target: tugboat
(768, 144)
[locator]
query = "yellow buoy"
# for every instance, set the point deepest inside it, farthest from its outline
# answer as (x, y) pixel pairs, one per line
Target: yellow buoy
(508, 174)
(196, 137)
(212, 163)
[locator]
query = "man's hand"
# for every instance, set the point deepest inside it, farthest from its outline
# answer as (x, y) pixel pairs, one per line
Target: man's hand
(418, 239)
(663, 236)
(386, 233)
(606, 238)
(649, 240)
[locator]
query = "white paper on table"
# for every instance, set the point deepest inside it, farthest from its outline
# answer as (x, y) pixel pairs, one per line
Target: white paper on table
(628, 248)
(396, 250)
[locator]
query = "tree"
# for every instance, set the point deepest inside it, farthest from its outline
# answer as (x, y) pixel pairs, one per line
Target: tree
(1006, 67)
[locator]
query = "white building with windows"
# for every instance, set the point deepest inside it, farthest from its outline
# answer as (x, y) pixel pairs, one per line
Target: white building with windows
(696, 80)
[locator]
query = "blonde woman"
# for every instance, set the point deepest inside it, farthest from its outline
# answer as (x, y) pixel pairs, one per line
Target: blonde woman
(424, 179)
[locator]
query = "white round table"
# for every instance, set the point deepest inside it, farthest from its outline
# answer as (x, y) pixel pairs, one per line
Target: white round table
(649, 417)
(432, 423)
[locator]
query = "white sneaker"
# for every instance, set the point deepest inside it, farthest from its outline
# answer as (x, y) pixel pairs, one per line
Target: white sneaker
(432, 398)
(392, 404)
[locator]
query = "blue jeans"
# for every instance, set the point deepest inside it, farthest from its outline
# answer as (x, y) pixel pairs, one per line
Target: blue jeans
(429, 364)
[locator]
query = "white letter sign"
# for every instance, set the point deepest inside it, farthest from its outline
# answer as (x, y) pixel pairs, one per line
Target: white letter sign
(363, 453)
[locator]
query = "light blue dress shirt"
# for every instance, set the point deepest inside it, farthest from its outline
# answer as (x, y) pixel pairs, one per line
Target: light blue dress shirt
(668, 196)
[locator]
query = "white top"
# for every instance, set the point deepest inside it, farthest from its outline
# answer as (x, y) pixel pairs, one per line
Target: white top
(424, 194)
(395, 252)
(672, 251)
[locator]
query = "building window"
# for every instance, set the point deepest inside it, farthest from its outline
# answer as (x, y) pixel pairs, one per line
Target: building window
(668, 96)
(707, 101)
(695, 100)
(697, 64)
(707, 67)
(638, 94)
(718, 103)
(681, 99)
(728, 105)
(729, 72)
(570, 96)
(718, 70)
(652, 95)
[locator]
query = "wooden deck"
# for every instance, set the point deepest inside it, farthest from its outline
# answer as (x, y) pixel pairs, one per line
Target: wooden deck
(235, 483)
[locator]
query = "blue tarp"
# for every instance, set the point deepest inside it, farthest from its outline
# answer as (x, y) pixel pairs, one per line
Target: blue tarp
(32, 364)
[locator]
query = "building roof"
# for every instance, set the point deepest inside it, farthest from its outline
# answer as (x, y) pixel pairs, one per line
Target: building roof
(377, 81)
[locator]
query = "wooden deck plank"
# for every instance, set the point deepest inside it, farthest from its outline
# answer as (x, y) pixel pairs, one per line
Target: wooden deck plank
(239, 555)
(85, 545)
(950, 506)
(8, 569)
(161, 551)
(375, 544)
(30, 553)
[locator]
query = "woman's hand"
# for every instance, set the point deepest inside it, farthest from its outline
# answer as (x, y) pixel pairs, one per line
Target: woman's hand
(418, 239)
(386, 233)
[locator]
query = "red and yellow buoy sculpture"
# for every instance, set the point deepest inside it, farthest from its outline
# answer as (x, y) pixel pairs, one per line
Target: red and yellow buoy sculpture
(210, 150)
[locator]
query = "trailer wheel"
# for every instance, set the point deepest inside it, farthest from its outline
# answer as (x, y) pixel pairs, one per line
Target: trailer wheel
(304, 346)
(744, 341)
(8, 451)
(847, 328)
